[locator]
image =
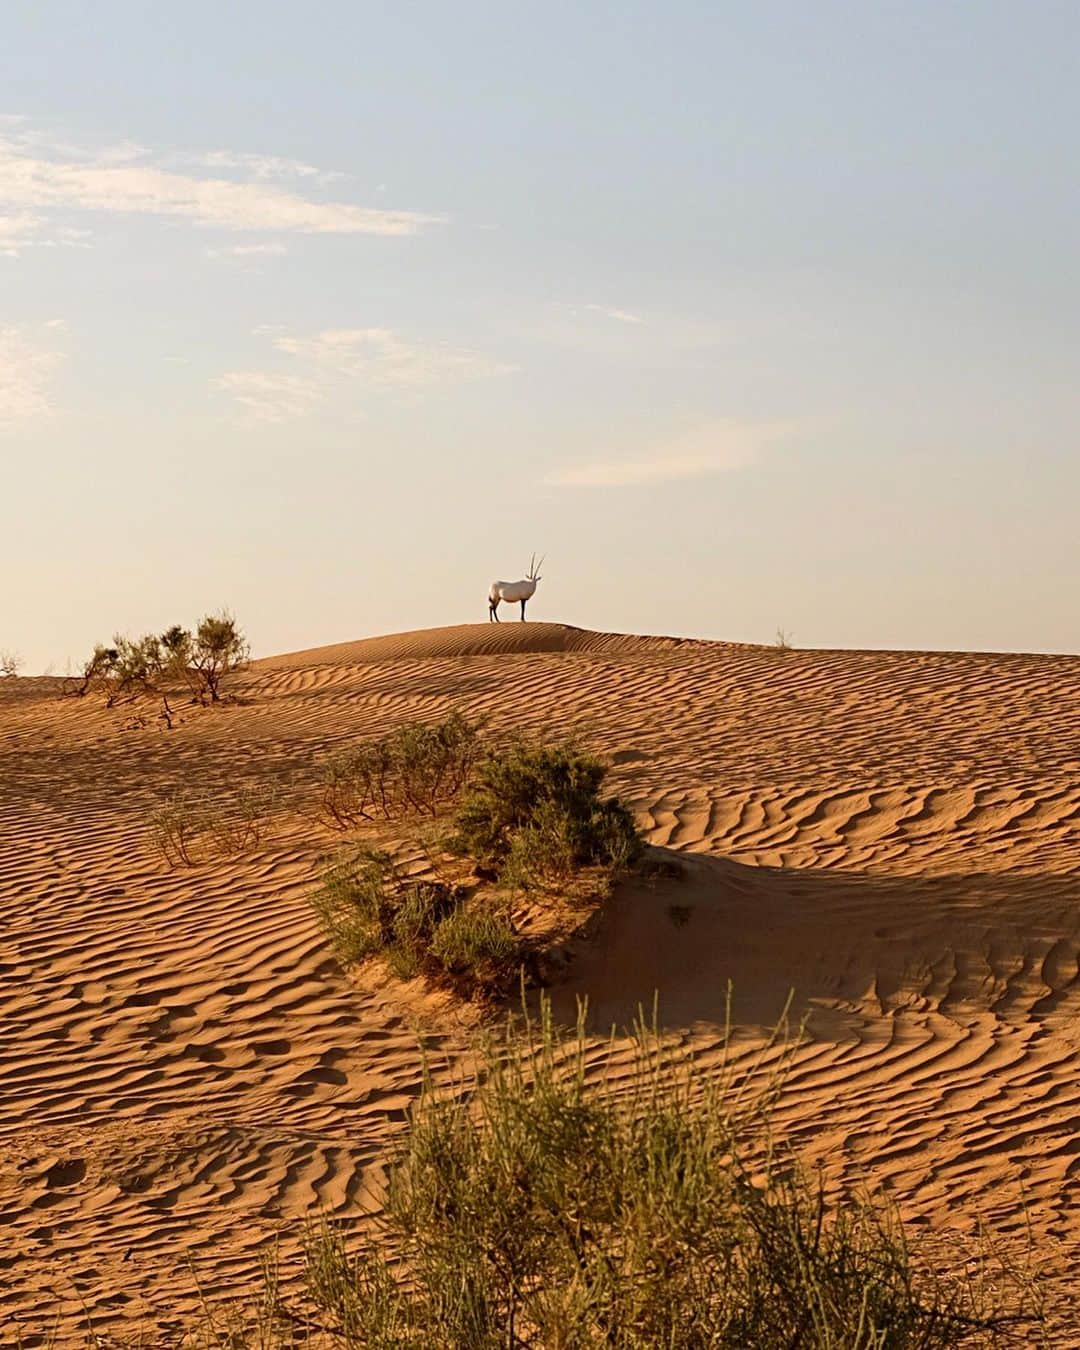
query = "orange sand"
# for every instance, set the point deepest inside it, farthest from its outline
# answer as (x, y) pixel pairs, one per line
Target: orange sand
(184, 1068)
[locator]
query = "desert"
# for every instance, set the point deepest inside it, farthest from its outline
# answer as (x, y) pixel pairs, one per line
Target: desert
(539, 676)
(188, 1071)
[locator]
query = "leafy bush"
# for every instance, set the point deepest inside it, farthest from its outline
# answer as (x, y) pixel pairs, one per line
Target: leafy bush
(538, 807)
(415, 768)
(543, 1211)
(158, 665)
(351, 904)
(175, 824)
(217, 649)
(239, 824)
(478, 943)
(368, 908)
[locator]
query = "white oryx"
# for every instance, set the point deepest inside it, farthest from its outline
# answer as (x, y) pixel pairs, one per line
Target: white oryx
(513, 591)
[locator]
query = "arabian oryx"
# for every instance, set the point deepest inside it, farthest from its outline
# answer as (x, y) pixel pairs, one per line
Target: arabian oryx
(513, 591)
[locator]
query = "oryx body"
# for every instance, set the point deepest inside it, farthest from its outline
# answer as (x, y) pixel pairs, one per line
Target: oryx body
(514, 592)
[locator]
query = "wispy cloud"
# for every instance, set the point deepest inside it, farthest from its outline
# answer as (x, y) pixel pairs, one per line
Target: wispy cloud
(379, 356)
(266, 166)
(40, 175)
(248, 251)
(265, 397)
(719, 447)
(25, 230)
(26, 369)
(620, 315)
(345, 362)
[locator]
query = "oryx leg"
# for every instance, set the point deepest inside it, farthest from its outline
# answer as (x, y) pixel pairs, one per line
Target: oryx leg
(493, 605)
(523, 611)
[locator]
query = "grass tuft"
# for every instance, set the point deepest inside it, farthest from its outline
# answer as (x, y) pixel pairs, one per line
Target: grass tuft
(653, 1209)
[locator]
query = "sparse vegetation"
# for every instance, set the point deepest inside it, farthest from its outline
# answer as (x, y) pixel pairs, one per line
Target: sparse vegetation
(537, 811)
(478, 943)
(206, 658)
(368, 907)
(191, 827)
(10, 665)
(783, 640)
(528, 816)
(542, 1210)
(160, 666)
(417, 768)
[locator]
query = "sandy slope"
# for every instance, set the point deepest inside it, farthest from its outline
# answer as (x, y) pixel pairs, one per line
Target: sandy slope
(183, 1066)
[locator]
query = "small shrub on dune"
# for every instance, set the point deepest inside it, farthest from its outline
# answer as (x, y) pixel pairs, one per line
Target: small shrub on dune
(531, 815)
(419, 909)
(160, 665)
(433, 762)
(351, 904)
(542, 852)
(367, 908)
(217, 650)
(239, 824)
(191, 827)
(478, 944)
(544, 1210)
(539, 808)
(415, 769)
(175, 825)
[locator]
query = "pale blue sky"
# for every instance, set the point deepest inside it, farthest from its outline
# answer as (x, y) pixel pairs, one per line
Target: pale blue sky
(746, 314)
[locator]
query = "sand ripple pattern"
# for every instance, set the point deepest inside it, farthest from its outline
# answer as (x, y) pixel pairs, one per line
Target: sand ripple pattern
(184, 1069)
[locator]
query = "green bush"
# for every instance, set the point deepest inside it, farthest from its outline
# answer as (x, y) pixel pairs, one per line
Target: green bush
(351, 904)
(416, 768)
(478, 943)
(539, 807)
(422, 907)
(544, 1211)
(159, 665)
(367, 908)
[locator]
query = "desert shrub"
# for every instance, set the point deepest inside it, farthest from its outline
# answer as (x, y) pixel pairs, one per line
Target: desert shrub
(542, 851)
(416, 768)
(10, 664)
(433, 762)
(134, 667)
(189, 827)
(95, 671)
(202, 660)
(479, 943)
(544, 1211)
(420, 908)
(159, 664)
(175, 825)
(353, 786)
(367, 907)
(540, 807)
(217, 650)
(351, 904)
(239, 823)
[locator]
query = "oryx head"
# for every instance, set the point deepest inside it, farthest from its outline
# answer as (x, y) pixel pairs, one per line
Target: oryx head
(533, 574)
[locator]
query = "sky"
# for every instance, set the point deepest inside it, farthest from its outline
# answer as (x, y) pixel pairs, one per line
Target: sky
(748, 316)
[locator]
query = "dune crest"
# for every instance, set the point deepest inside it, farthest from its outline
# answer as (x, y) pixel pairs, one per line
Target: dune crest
(471, 639)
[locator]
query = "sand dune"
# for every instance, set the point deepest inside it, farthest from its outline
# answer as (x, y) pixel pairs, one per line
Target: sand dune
(472, 639)
(184, 1068)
